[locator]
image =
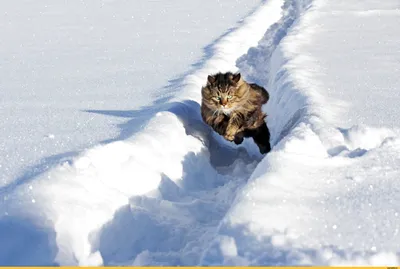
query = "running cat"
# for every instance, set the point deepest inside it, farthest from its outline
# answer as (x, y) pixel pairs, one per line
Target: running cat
(232, 107)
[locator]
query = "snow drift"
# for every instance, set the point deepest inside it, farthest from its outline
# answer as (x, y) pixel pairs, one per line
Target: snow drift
(181, 167)
(177, 194)
(326, 195)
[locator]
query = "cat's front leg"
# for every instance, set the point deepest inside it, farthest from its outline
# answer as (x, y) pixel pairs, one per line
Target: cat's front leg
(220, 124)
(231, 132)
(239, 137)
(232, 129)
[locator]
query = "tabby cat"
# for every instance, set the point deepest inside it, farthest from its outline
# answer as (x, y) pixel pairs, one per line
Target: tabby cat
(232, 107)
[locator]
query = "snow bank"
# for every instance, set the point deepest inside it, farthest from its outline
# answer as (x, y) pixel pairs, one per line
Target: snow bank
(177, 194)
(62, 60)
(131, 201)
(325, 195)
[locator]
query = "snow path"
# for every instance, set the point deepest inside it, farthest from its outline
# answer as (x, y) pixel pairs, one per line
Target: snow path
(177, 194)
(154, 198)
(326, 195)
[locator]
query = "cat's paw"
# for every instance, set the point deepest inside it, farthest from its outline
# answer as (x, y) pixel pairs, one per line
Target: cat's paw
(238, 140)
(264, 148)
(230, 135)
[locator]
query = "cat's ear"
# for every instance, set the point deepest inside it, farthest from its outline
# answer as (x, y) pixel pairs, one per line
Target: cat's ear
(236, 77)
(210, 79)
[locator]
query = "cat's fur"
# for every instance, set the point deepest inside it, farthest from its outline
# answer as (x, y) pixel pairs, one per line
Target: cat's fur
(232, 107)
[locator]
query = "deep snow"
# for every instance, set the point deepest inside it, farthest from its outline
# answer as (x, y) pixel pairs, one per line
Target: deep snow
(328, 194)
(171, 192)
(66, 64)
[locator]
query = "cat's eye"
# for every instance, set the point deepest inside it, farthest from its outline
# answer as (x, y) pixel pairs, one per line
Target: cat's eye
(217, 98)
(229, 96)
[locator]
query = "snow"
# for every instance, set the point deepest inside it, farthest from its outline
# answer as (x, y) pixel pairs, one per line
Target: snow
(64, 65)
(162, 188)
(328, 194)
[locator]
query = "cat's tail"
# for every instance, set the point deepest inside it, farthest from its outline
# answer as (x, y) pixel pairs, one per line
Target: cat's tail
(262, 92)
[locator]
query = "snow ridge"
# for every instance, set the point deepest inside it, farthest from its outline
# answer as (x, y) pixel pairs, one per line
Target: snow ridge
(302, 205)
(176, 193)
(153, 198)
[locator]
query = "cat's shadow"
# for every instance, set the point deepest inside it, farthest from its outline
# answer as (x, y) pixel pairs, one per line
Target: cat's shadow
(153, 226)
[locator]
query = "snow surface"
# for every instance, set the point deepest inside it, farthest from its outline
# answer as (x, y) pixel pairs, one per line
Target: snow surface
(74, 72)
(169, 191)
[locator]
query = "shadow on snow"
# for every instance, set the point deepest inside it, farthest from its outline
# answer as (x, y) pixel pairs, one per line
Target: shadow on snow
(25, 243)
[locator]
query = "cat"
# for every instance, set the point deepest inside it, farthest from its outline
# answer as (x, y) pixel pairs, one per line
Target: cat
(232, 107)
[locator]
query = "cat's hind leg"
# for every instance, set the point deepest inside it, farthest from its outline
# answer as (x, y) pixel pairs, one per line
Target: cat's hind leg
(261, 137)
(239, 137)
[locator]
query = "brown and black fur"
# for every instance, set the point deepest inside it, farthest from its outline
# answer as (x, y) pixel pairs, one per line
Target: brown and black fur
(232, 107)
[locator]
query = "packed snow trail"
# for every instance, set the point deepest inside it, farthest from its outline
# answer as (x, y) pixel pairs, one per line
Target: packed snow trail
(154, 198)
(329, 193)
(177, 194)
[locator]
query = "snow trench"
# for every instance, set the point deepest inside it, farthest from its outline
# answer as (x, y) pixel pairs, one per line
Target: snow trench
(164, 195)
(154, 197)
(316, 196)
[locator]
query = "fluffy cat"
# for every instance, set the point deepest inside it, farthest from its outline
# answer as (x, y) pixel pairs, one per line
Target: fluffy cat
(232, 107)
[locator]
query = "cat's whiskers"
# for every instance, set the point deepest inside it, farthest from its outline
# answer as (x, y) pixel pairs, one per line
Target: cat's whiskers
(216, 112)
(227, 111)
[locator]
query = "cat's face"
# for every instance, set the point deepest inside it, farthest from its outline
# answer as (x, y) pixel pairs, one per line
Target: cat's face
(223, 92)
